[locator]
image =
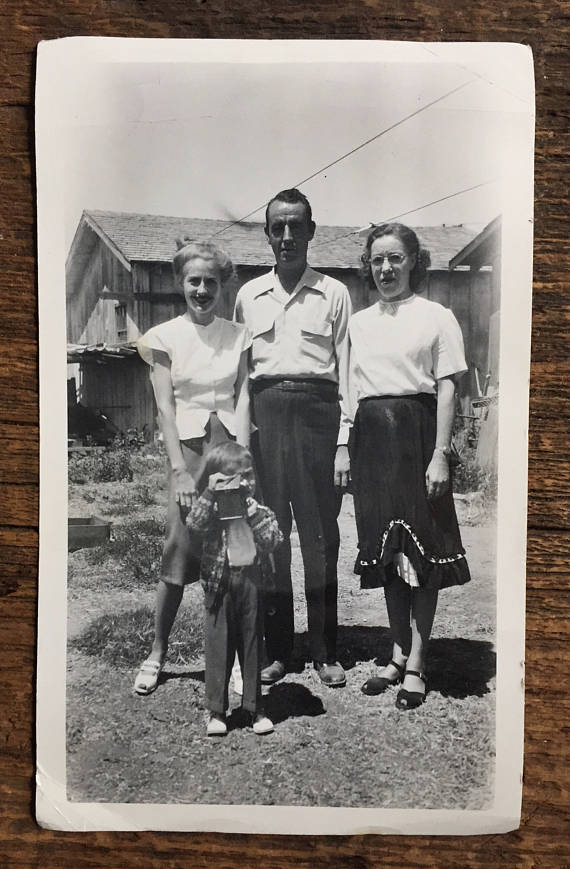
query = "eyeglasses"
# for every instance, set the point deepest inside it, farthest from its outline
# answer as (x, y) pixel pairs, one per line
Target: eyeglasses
(394, 259)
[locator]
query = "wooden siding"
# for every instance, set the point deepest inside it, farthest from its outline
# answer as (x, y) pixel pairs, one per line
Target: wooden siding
(82, 297)
(479, 316)
(93, 294)
(116, 278)
(495, 320)
(470, 295)
(121, 389)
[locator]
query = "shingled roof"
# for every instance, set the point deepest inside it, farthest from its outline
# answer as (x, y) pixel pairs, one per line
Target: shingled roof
(151, 238)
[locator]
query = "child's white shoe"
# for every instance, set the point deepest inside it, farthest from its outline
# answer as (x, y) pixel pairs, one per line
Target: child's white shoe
(237, 678)
(217, 725)
(262, 724)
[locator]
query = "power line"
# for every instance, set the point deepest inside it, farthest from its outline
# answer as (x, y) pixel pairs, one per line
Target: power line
(480, 76)
(404, 213)
(354, 150)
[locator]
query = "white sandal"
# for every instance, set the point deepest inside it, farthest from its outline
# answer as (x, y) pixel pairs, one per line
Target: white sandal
(262, 724)
(216, 726)
(147, 677)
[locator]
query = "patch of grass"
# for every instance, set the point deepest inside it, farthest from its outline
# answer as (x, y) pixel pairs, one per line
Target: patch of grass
(467, 477)
(123, 639)
(139, 545)
(471, 480)
(125, 500)
(146, 464)
(479, 490)
(100, 467)
(97, 555)
(143, 494)
(136, 546)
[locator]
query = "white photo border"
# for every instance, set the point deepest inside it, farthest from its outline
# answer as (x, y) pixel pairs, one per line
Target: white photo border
(56, 60)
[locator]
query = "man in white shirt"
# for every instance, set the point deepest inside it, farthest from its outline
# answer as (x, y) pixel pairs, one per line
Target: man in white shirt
(299, 322)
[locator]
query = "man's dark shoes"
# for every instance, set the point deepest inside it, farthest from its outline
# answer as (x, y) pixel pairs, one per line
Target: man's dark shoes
(331, 674)
(378, 684)
(273, 673)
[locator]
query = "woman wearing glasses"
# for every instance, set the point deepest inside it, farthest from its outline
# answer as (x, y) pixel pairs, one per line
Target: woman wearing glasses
(406, 353)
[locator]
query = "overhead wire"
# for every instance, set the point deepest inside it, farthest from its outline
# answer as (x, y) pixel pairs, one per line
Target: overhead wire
(354, 150)
(479, 75)
(403, 214)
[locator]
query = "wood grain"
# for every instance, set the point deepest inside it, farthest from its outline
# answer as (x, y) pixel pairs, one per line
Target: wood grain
(542, 838)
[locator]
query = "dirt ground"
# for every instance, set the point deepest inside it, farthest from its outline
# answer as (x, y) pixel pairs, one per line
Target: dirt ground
(330, 747)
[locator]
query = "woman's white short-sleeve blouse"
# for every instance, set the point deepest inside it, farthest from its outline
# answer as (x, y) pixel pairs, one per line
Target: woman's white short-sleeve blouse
(204, 367)
(403, 348)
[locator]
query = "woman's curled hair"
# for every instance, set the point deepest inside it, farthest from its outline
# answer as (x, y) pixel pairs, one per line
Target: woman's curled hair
(188, 249)
(412, 245)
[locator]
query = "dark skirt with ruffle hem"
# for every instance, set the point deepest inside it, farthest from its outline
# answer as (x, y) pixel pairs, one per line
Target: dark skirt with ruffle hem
(391, 445)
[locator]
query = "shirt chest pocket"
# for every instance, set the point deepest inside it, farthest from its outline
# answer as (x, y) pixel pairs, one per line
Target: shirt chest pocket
(262, 325)
(317, 340)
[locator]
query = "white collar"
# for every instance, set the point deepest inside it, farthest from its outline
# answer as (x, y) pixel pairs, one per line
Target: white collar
(310, 278)
(391, 308)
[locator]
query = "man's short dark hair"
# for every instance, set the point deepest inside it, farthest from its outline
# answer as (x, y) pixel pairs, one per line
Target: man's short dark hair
(291, 196)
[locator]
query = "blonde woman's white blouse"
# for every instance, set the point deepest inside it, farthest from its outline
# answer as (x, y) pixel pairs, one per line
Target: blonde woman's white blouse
(403, 348)
(204, 367)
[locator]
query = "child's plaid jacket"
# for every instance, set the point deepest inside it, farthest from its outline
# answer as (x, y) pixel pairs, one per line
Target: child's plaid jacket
(202, 520)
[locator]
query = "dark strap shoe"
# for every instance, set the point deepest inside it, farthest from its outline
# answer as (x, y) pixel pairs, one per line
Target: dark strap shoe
(411, 699)
(378, 684)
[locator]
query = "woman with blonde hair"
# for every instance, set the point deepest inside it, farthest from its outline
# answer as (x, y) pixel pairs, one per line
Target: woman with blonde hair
(198, 370)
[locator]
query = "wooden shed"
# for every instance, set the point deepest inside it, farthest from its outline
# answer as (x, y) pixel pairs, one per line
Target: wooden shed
(480, 263)
(119, 283)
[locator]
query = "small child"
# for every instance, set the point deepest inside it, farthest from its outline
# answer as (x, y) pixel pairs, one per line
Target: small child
(235, 571)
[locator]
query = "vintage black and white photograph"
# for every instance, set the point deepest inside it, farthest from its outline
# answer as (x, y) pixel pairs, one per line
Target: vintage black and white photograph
(284, 323)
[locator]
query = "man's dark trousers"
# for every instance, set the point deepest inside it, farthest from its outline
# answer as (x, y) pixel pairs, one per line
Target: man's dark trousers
(298, 423)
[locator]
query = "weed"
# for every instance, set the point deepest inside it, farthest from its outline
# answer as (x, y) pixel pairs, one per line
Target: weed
(136, 546)
(149, 463)
(127, 500)
(96, 555)
(139, 547)
(468, 475)
(143, 494)
(123, 639)
(100, 467)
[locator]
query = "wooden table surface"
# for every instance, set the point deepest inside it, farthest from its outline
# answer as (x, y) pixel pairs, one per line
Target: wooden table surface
(542, 838)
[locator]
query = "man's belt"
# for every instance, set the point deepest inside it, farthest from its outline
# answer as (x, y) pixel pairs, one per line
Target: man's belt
(291, 384)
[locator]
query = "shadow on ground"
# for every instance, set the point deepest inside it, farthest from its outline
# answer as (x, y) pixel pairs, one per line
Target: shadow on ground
(461, 668)
(195, 675)
(291, 700)
(457, 667)
(354, 644)
(286, 700)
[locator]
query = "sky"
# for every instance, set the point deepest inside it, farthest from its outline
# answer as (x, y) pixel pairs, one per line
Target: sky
(218, 139)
